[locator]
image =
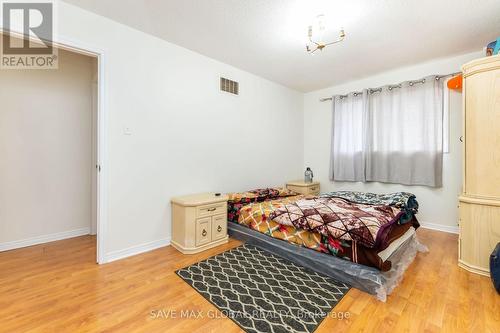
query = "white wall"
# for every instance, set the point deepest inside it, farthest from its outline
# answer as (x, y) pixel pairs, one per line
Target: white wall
(438, 207)
(45, 149)
(186, 135)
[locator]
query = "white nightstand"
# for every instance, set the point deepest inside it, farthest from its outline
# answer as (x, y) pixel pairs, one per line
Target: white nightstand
(302, 187)
(199, 222)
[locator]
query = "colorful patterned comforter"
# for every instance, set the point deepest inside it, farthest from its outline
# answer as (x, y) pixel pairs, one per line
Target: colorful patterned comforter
(340, 219)
(238, 200)
(405, 201)
(256, 216)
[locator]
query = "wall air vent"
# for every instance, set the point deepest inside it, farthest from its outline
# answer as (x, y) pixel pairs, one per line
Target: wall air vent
(229, 86)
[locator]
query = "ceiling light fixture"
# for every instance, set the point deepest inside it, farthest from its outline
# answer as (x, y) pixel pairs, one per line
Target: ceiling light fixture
(315, 36)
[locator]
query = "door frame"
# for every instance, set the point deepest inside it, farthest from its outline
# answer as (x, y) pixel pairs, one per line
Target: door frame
(101, 139)
(76, 46)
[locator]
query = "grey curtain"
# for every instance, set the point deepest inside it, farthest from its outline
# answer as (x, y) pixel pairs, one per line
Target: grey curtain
(349, 130)
(392, 134)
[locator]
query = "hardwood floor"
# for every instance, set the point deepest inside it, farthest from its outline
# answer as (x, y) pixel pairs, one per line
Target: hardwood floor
(57, 287)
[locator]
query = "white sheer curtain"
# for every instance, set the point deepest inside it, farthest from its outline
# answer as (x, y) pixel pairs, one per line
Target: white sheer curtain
(395, 134)
(348, 137)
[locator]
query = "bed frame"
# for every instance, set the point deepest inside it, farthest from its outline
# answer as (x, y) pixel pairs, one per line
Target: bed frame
(365, 278)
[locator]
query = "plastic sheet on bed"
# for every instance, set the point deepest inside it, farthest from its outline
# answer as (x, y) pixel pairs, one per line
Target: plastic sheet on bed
(365, 278)
(400, 259)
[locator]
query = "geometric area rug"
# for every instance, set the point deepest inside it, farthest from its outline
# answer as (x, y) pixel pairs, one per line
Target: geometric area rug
(262, 292)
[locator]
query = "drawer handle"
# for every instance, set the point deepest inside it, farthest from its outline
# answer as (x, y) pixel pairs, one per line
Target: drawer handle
(219, 229)
(204, 233)
(314, 188)
(461, 139)
(212, 209)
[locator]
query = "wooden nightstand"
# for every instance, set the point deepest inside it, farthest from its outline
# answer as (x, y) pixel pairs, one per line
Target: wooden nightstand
(199, 222)
(302, 187)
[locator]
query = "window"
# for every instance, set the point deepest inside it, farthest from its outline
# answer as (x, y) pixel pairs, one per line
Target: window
(393, 134)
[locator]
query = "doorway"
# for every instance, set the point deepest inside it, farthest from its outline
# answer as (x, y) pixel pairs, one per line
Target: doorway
(50, 140)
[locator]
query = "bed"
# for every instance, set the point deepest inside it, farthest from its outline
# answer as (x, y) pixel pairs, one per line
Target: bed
(372, 263)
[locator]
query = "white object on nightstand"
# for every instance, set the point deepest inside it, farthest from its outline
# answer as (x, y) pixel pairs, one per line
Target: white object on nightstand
(199, 222)
(302, 187)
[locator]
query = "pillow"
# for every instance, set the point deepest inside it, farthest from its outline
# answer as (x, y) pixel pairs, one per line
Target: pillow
(260, 194)
(242, 197)
(239, 199)
(284, 192)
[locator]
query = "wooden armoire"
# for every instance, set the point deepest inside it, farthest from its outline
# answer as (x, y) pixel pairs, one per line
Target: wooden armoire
(480, 199)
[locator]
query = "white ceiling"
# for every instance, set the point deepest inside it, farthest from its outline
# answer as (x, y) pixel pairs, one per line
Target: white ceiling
(267, 37)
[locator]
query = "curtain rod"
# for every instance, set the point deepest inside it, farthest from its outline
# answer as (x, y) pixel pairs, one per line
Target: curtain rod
(438, 77)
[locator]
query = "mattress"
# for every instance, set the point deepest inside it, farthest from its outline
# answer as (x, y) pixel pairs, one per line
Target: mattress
(368, 279)
(255, 216)
(385, 254)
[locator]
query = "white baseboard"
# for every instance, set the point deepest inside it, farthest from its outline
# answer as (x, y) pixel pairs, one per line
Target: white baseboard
(43, 239)
(138, 249)
(439, 227)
